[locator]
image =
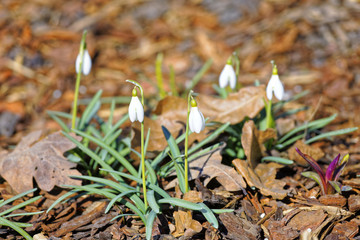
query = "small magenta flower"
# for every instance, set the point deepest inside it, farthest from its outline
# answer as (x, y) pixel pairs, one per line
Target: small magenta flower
(275, 86)
(227, 76)
(136, 109)
(196, 118)
(86, 63)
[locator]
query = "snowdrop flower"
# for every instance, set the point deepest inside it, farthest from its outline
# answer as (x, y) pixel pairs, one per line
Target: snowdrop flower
(275, 86)
(227, 76)
(86, 65)
(196, 118)
(136, 109)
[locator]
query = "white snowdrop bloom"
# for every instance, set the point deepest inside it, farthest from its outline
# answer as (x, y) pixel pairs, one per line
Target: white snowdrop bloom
(86, 65)
(275, 86)
(136, 109)
(196, 118)
(227, 76)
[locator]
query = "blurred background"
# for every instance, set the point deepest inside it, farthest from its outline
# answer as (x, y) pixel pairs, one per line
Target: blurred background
(316, 45)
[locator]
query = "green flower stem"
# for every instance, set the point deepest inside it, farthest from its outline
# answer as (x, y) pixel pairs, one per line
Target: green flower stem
(78, 77)
(269, 116)
(142, 144)
(186, 144)
(159, 77)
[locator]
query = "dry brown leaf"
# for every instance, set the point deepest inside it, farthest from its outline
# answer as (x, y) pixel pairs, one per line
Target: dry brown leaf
(253, 141)
(171, 112)
(42, 159)
(193, 196)
(247, 102)
(307, 219)
(315, 152)
(262, 178)
(210, 166)
(184, 221)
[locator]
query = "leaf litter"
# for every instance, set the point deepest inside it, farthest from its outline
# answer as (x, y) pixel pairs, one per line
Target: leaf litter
(315, 45)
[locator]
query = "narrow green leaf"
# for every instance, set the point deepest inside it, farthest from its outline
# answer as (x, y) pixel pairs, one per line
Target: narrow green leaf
(314, 124)
(149, 224)
(139, 180)
(111, 116)
(121, 187)
(218, 211)
(277, 159)
(90, 110)
(23, 214)
(111, 150)
(152, 201)
(89, 153)
(289, 142)
(3, 203)
(60, 122)
(122, 215)
(209, 215)
(116, 126)
(181, 203)
(23, 204)
(60, 114)
(150, 172)
(174, 91)
(210, 138)
(104, 192)
(159, 76)
(8, 223)
(115, 199)
(331, 134)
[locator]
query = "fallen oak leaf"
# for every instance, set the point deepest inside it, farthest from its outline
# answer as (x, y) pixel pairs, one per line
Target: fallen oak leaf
(262, 178)
(42, 159)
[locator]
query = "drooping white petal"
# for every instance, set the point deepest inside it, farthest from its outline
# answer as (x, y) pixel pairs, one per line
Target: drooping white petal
(77, 63)
(227, 76)
(87, 63)
(86, 66)
(269, 89)
(202, 121)
(196, 120)
(136, 110)
(275, 86)
(278, 88)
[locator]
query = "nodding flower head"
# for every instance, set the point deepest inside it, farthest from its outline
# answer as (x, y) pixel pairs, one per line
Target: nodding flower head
(196, 118)
(227, 76)
(136, 109)
(86, 63)
(275, 86)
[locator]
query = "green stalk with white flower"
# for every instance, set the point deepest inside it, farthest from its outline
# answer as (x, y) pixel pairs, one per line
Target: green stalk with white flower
(227, 77)
(274, 86)
(82, 65)
(195, 121)
(136, 113)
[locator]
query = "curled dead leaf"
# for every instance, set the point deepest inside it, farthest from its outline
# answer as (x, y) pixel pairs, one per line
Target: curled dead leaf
(253, 141)
(184, 221)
